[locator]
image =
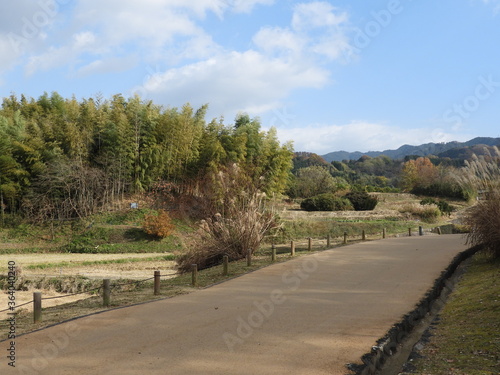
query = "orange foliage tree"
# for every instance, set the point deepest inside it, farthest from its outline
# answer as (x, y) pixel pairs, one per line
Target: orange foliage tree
(418, 173)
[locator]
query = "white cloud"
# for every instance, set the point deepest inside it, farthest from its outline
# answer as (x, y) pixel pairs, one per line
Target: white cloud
(108, 36)
(55, 57)
(494, 3)
(23, 25)
(277, 39)
(8, 55)
(317, 14)
(245, 6)
(256, 81)
(233, 81)
(362, 136)
(108, 66)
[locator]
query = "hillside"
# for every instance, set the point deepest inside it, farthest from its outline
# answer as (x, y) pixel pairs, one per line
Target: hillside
(422, 150)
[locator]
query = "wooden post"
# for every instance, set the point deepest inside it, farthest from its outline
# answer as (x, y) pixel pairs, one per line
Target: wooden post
(273, 253)
(363, 235)
(37, 307)
(409, 232)
(106, 292)
(328, 240)
(194, 275)
(420, 230)
(157, 283)
(438, 230)
(249, 259)
(309, 245)
(292, 248)
(384, 233)
(225, 263)
(345, 238)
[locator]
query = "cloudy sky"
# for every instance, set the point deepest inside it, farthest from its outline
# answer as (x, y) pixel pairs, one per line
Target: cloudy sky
(329, 75)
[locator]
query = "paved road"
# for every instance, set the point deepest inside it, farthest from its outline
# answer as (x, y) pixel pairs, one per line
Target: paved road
(311, 315)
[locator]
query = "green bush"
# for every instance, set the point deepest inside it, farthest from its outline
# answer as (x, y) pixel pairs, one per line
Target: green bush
(326, 202)
(443, 190)
(362, 201)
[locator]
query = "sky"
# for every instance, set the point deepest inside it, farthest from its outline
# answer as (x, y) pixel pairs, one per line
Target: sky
(328, 75)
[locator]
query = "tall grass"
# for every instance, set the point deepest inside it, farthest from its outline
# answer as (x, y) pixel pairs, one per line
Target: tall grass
(483, 175)
(483, 220)
(236, 228)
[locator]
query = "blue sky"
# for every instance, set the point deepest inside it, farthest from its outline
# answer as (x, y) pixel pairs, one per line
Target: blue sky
(329, 75)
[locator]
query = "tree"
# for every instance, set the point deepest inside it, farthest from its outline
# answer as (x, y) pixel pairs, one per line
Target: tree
(418, 173)
(313, 181)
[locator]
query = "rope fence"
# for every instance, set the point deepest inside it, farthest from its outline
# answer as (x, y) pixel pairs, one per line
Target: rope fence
(107, 287)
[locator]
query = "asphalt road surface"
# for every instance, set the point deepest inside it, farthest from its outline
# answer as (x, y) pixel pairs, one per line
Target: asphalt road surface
(311, 315)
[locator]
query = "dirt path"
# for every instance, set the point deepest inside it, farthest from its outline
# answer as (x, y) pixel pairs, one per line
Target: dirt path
(311, 316)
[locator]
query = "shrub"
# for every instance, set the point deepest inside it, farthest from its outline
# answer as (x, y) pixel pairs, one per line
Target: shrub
(159, 225)
(444, 207)
(429, 213)
(362, 201)
(443, 190)
(483, 221)
(326, 202)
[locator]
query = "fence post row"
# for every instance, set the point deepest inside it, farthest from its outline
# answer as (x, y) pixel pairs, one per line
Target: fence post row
(37, 296)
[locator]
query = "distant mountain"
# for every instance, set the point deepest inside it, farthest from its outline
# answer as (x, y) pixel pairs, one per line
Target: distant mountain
(422, 150)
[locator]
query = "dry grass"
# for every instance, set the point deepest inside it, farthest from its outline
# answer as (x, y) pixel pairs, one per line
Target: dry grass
(238, 226)
(75, 260)
(483, 221)
(429, 213)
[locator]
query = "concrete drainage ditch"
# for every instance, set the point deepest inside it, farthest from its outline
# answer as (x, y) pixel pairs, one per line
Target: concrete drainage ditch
(393, 350)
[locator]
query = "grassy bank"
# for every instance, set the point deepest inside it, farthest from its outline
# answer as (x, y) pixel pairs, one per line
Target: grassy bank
(465, 340)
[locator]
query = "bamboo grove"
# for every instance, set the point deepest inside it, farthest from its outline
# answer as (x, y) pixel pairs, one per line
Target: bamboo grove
(64, 158)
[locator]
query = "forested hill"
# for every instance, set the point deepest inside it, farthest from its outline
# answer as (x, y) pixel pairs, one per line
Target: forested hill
(63, 158)
(422, 150)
